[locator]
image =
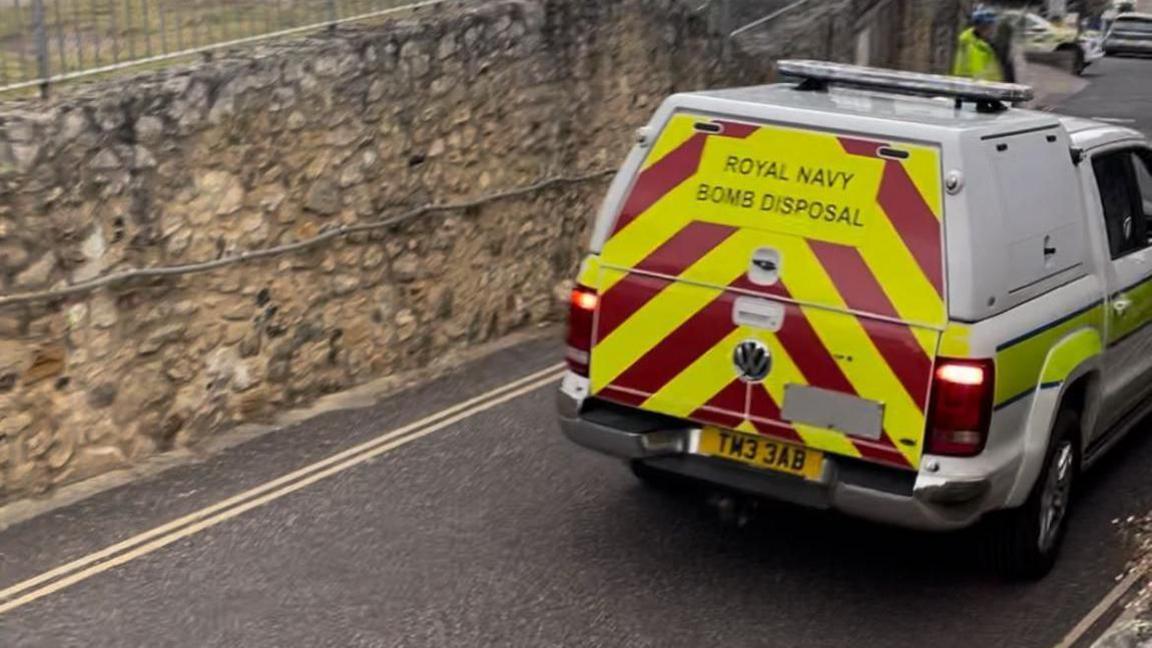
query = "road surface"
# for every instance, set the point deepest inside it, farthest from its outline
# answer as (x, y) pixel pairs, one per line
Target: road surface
(489, 529)
(1121, 92)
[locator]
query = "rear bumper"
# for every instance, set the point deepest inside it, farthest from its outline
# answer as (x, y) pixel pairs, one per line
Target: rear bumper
(900, 498)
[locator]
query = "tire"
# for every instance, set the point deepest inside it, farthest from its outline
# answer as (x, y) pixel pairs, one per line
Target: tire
(1078, 64)
(1023, 543)
(1072, 59)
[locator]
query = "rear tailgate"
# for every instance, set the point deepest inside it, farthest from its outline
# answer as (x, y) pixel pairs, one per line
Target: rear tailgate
(824, 249)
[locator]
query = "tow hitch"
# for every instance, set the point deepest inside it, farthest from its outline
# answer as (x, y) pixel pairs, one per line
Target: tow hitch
(734, 510)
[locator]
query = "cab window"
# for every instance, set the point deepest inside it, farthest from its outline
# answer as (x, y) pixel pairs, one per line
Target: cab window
(1133, 24)
(1123, 200)
(1142, 163)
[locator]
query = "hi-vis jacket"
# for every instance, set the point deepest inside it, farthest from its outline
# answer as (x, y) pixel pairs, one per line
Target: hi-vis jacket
(975, 59)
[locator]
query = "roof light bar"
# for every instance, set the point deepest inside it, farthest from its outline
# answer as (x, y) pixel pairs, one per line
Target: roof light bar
(820, 74)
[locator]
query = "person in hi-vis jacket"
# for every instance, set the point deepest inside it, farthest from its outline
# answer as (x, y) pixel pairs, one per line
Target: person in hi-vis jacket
(976, 57)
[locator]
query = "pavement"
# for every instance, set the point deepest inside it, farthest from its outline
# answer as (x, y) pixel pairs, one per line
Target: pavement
(1051, 85)
(441, 524)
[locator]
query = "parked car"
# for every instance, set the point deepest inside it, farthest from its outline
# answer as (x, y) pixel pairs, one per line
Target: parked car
(1046, 41)
(1115, 9)
(883, 293)
(1129, 34)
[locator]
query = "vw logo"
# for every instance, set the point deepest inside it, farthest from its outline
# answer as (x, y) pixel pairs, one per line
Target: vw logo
(753, 360)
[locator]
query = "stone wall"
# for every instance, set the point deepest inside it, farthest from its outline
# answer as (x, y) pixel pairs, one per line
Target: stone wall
(929, 30)
(267, 146)
(822, 29)
(272, 145)
(922, 32)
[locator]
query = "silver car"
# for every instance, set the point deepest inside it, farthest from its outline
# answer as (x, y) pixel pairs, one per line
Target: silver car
(1129, 34)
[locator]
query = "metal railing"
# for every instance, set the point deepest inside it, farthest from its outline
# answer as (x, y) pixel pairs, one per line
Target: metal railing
(46, 41)
(769, 18)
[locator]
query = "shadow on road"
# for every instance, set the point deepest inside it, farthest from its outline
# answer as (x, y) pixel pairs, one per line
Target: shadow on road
(681, 531)
(682, 528)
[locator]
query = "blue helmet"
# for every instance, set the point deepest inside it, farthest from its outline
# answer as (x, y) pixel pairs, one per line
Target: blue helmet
(983, 16)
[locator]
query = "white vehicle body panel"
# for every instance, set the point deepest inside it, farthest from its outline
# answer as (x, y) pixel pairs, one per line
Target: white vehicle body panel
(1026, 251)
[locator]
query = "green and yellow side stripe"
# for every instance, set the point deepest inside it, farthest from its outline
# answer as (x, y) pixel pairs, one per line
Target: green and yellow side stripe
(1045, 356)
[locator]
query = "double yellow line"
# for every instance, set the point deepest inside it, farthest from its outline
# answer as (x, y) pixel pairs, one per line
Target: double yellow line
(65, 576)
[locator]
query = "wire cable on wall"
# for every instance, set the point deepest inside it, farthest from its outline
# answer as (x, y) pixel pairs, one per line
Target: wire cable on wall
(289, 248)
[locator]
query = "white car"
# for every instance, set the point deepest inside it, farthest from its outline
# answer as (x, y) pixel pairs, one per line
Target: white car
(1129, 34)
(883, 293)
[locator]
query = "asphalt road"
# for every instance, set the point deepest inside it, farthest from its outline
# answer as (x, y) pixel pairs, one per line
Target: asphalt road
(1121, 91)
(494, 531)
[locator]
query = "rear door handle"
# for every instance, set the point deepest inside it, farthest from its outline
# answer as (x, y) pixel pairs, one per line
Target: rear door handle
(758, 313)
(1121, 305)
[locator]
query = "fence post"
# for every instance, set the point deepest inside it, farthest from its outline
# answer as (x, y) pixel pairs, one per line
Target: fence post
(40, 32)
(729, 22)
(720, 14)
(331, 7)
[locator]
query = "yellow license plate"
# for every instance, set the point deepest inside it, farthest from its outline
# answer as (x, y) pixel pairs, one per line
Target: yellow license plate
(761, 452)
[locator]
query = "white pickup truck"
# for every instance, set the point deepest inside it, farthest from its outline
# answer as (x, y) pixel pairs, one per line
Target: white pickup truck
(888, 294)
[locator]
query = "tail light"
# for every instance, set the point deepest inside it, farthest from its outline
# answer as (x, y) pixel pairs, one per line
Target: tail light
(581, 309)
(960, 410)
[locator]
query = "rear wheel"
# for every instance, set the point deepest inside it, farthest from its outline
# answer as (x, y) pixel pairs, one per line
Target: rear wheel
(1023, 543)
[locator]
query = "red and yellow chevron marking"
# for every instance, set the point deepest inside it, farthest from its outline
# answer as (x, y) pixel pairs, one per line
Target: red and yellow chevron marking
(671, 258)
(861, 280)
(862, 292)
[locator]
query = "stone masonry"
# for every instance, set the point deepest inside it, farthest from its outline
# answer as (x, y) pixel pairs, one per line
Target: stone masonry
(924, 31)
(271, 145)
